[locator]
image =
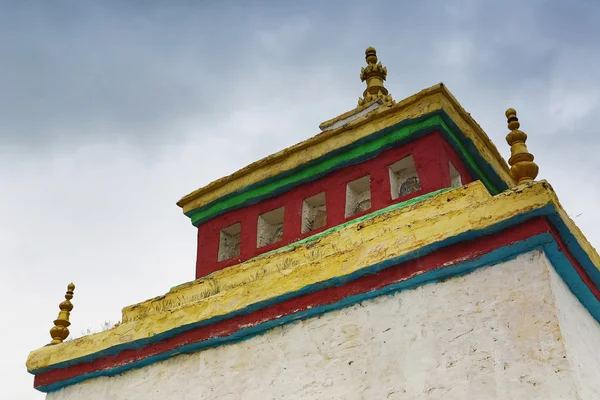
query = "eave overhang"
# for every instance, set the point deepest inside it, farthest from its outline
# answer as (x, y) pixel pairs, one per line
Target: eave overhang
(387, 240)
(390, 125)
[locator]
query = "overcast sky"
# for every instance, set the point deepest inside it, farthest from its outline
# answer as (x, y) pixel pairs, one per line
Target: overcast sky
(110, 111)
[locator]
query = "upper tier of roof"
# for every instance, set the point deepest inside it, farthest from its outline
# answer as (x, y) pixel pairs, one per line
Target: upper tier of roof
(432, 108)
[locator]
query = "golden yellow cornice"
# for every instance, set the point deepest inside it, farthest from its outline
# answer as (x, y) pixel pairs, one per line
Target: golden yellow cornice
(432, 99)
(374, 74)
(347, 251)
(522, 167)
(60, 330)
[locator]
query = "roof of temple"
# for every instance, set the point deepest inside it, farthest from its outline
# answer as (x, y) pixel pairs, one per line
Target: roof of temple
(389, 124)
(434, 236)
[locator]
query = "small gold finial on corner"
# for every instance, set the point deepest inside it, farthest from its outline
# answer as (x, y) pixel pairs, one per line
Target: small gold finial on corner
(374, 74)
(60, 331)
(522, 167)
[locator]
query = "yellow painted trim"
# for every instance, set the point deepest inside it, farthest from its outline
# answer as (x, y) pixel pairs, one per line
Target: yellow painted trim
(341, 253)
(429, 100)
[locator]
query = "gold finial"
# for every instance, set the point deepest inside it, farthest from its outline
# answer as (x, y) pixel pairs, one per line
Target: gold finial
(60, 331)
(522, 167)
(374, 74)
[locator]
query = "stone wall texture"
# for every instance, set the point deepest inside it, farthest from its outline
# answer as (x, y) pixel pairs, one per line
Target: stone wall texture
(509, 331)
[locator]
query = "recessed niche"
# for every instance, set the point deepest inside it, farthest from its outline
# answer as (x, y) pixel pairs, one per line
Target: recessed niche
(270, 227)
(314, 213)
(455, 178)
(358, 196)
(229, 242)
(403, 177)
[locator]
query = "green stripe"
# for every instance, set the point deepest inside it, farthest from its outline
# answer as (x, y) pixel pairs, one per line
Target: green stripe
(358, 220)
(354, 152)
(326, 232)
(470, 160)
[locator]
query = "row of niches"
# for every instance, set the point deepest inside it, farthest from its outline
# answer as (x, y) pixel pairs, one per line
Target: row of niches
(404, 180)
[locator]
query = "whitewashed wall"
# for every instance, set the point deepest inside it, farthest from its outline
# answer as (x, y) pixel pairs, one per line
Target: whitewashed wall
(581, 335)
(492, 334)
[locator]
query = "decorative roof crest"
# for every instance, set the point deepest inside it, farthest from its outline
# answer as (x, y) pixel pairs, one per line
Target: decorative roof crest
(374, 74)
(522, 167)
(60, 330)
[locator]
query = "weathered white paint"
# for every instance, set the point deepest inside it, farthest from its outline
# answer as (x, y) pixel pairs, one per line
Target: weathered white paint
(455, 178)
(358, 196)
(492, 334)
(581, 335)
(314, 212)
(400, 172)
(353, 116)
(229, 242)
(270, 227)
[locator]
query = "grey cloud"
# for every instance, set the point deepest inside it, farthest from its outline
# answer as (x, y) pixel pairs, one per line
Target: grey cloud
(103, 73)
(103, 104)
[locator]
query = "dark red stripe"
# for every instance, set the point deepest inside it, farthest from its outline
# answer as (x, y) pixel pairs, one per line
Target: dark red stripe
(582, 274)
(431, 154)
(447, 256)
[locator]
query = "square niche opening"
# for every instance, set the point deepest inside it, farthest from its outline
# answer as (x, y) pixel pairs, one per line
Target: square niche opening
(403, 177)
(314, 213)
(270, 227)
(229, 242)
(455, 178)
(358, 196)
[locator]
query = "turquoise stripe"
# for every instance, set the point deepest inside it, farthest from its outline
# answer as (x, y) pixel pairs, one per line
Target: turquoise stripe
(326, 232)
(469, 235)
(544, 241)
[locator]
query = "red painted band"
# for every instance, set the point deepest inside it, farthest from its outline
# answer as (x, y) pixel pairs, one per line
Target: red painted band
(454, 254)
(431, 154)
(580, 271)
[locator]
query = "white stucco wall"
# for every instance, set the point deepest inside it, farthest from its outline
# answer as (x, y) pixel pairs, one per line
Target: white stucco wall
(581, 335)
(492, 334)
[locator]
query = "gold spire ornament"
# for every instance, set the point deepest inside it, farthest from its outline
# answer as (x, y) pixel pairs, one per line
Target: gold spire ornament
(522, 167)
(60, 331)
(374, 74)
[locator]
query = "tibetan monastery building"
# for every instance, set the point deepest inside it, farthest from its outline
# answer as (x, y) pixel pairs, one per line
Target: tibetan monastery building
(394, 255)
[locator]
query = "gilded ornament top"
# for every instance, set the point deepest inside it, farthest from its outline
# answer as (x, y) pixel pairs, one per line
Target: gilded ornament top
(60, 331)
(374, 74)
(522, 167)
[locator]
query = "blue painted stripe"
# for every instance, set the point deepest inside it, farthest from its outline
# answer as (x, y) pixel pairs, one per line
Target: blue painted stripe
(575, 248)
(488, 170)
(337, 281)
(569, 275)
(540, 242)
(544, 241)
